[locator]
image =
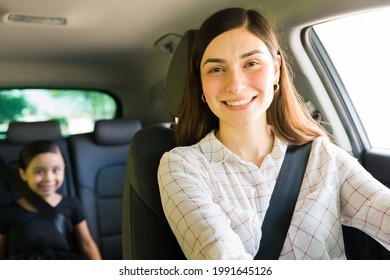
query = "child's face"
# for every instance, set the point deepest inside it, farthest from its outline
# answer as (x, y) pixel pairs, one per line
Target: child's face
(45, 173)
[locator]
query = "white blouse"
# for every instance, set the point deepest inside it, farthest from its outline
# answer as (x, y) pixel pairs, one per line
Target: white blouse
(215, 202)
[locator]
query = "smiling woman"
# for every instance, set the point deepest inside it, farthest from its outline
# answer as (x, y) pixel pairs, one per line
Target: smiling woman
(239, 85)
(217, 191)
(287, 113)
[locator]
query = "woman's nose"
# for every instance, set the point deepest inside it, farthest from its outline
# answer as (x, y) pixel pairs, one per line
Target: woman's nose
(236, 81)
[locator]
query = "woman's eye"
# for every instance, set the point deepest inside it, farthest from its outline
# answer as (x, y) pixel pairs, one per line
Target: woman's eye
(252, 63)
(215, 70)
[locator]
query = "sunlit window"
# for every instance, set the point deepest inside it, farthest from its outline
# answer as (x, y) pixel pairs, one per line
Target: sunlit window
(359, 49)
(75, 110)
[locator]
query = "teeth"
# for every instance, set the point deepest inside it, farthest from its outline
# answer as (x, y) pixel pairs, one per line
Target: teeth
(238, 103)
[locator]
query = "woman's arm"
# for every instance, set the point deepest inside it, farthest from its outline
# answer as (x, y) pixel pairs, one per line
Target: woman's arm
(365, 204)
(85, 241)
(201, 227)
(3, 246)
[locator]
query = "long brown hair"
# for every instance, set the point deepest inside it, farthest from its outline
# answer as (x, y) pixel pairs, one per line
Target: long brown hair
(287, 113)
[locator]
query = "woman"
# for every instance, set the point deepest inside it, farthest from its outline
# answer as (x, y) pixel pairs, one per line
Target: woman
(24, 232)
(239, 114)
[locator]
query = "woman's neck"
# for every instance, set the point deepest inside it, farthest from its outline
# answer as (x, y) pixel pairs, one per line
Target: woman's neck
(250, 143)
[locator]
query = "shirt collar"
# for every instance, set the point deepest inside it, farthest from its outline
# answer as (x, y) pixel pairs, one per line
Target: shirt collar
(216, 153)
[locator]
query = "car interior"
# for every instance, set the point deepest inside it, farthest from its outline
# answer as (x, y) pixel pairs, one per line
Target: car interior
(137, 53)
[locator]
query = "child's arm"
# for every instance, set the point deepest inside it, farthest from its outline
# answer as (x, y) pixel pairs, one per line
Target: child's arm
(85, 241)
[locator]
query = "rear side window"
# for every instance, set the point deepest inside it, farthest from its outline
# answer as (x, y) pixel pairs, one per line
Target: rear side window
(358, 47)
(75, 110)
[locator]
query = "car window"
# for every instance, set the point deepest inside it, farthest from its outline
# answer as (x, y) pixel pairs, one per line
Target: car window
(358, 48)
(75, 110)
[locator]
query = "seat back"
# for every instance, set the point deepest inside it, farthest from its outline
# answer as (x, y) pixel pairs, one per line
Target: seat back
(99, 166)
(22, 133)
(146, 232)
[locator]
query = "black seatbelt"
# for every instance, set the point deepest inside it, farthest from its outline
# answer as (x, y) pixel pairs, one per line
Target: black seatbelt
(283, 199)
(61, 223)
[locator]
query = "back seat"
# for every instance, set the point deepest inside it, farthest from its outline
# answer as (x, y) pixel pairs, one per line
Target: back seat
(99, 161)
(95, 171)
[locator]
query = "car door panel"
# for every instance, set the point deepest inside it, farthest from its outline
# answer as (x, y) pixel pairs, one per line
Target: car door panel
(377, 162)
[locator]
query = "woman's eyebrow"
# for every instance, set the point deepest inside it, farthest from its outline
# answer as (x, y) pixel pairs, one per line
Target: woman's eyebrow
(213, 60)
(220, 60)
(248, 54)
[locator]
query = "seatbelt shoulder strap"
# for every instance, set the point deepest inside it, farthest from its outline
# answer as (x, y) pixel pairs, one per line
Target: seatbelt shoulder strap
(282, 204)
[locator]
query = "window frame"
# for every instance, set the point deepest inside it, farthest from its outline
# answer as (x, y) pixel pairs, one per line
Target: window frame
(337, 92)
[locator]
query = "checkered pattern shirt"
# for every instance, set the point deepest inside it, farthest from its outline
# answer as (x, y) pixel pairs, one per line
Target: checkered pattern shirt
(215, 202)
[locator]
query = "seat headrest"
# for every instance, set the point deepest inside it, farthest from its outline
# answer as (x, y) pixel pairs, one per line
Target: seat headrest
(25, 132)
(177, 74)
(116, 131)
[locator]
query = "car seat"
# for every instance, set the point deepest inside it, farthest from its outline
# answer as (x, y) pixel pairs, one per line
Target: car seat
(146, 232)
(99, 165)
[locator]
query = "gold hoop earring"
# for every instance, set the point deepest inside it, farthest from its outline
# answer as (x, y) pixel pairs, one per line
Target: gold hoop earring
(276, 88)
(203, 98)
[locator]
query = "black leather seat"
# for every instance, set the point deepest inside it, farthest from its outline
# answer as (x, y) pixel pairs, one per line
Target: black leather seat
(99, 160)
(20, 134)
(146, 233)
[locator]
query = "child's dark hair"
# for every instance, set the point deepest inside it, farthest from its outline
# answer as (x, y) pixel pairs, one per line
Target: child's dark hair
(35, 148)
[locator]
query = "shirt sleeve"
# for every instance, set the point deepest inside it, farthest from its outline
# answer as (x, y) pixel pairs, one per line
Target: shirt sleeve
(365, 202)
(201, 227)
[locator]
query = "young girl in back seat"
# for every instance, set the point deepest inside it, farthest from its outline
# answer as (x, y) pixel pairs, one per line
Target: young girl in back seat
(24, 232)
